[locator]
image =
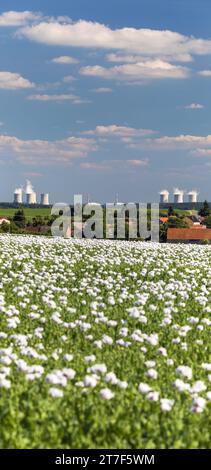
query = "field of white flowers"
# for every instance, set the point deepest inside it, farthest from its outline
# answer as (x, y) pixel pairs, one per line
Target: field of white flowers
(104, 344)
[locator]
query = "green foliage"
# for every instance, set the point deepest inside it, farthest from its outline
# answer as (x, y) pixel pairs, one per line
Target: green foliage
(177, 222)
(205, 211)
(170, 211)
(29, 212)
(19, 218)
(208, 221)
(163, 232)
(206, 242)
(4, 227)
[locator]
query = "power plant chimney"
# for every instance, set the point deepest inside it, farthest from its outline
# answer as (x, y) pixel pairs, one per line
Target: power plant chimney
(164, 196)
(44, 199)
(18, 196)
(193, 196)
(31, 197)
(178, 196)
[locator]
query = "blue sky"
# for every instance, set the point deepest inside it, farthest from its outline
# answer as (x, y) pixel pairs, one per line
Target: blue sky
(105, 97)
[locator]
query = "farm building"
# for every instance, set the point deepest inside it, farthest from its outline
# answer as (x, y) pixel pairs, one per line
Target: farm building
(196, 234)
(163, 220)
(4, 220)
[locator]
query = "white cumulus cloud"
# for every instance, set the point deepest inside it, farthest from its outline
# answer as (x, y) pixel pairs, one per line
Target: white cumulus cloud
(202, 152)
(183, 141)
(194, 106)
(95, 166)
(45, 152)
(65, 60)
(119, 131)
(102, 90)
(16, 18)
(56, 98)
(153, 69)
(14, 81)
(90, 34)
(205, 73)
(138, 163)
(131, 59)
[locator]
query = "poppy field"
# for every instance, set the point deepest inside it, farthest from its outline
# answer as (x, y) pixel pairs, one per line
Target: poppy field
(104, 344)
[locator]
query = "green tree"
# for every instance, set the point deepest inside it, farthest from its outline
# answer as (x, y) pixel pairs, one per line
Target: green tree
(208, 221)
(177, 222)
(163, 233)
(205, 211)
(14, 228)
(19, 218)
(5, 227)
(170, 211)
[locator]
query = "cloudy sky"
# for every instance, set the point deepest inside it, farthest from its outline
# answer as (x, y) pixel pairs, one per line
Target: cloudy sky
(105, 97)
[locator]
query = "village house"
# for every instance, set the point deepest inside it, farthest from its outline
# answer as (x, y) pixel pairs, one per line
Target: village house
(4, 220)
(195, 234)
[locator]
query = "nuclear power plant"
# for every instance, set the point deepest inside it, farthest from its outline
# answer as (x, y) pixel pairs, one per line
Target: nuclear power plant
(164, 196)
(179, 196)
(30, 196)
(44, 199)
(18, 196)
(193, 196)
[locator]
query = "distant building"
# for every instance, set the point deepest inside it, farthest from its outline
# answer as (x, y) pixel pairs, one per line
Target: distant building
(164, 196)
(193, 196)
(28, 196)
(195, 219)
(164, 220)
(44, 199)
(195, 234)
(18, 196)
(4, 220)
(178, 196)
(31, 198)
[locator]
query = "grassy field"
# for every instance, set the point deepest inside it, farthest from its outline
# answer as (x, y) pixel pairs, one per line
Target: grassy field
(104, 344)
(29, 212)
(35, 212)
(180, 212)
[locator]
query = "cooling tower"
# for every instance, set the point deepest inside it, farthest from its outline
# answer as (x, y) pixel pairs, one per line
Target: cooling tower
(31, 198)
(18, 196)
(44, 199)
(29, 188)
(164, 196)
(178, 196)
(193, 196)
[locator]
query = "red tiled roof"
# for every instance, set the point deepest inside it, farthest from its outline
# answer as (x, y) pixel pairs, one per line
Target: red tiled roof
(164, 219)
(188, 234)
